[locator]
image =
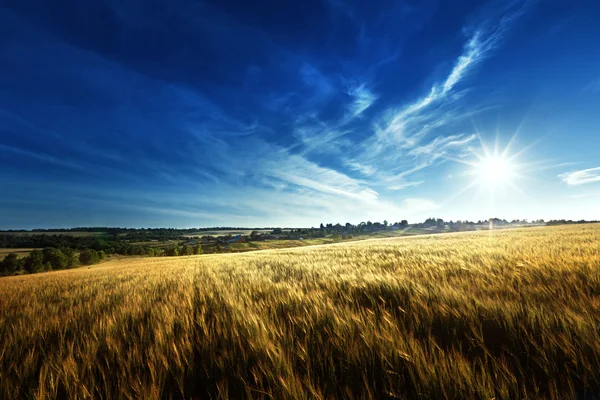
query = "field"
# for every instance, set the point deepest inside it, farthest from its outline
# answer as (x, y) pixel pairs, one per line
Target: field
(478, 315)
(228, 232)
(19, 252)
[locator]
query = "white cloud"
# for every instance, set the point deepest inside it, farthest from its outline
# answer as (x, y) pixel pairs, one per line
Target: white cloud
(363, 98)
(364, 169)
(402, 125)
(301, 172)
(582, 177)
(405, 185)
(319, 138)
(441, 144)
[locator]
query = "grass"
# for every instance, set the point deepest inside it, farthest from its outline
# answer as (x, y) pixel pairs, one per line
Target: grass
(478, 315)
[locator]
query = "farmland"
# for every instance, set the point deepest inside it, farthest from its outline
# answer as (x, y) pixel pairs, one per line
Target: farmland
(19, 252)
(492, 314)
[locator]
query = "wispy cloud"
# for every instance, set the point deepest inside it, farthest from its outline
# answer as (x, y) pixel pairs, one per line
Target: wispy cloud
(582, 177)
(400, 125)
(46, 158)
(440, 145)
(298, 171)
(362, 98)
(363, 169)
(405, 185)
(320, 138)
(395, 149)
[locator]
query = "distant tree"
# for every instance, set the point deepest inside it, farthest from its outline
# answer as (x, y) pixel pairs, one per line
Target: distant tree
(10, 264)
(198, 249)
(385, 223)
(253, 235)
(56, 258)
(429, 222)
(34, 262)
(89, 257)
(173, 251)
(99, 244)
(71, 256)
(185, 250)
(403, 224)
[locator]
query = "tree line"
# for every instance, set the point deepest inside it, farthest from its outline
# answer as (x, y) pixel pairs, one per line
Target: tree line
(51, 258)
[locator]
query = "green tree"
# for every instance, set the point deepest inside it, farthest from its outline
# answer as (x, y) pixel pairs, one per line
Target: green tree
(72, 257)
(185, 250)
(56, 258)
(10, 264)
(89, 257)
(34, 262)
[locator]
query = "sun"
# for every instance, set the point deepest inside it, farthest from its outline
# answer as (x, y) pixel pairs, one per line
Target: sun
(494, 175)
(494, 171)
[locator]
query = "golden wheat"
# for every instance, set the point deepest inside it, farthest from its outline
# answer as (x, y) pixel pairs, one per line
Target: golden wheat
(504, 314)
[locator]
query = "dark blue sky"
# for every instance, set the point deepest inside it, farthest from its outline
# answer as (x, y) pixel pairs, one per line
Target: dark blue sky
(203, 113)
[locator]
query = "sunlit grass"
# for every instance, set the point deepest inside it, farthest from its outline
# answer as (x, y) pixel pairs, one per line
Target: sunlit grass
(504, 314)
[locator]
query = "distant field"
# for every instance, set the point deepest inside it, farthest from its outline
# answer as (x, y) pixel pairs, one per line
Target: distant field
(245, 232)
(278, 244)
(20, 252)
(478, 315)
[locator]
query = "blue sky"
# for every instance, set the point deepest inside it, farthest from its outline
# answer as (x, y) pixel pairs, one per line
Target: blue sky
(234, 113)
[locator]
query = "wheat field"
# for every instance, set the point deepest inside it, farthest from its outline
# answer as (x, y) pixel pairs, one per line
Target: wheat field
(504, 314)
